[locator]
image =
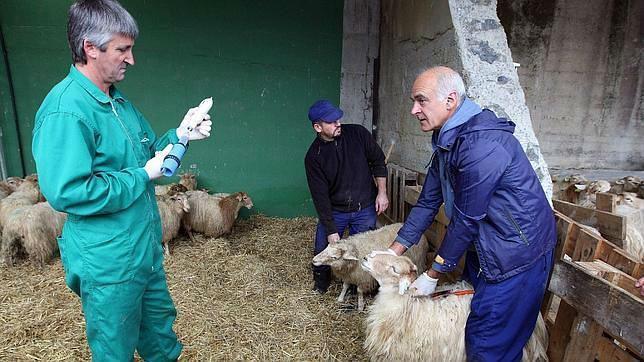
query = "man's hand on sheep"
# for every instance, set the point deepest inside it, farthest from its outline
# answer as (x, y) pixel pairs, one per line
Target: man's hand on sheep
(423, 285)
(333, 238)
(153, 166)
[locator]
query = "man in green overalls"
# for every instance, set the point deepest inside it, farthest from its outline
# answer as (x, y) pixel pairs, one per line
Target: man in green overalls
(95, 156)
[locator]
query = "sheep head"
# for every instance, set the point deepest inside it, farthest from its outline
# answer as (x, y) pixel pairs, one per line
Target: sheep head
(181, 200)
(244, 200)
(390, 271)
(176, 188)
(336, 255)
(13, 182)
(189, 180)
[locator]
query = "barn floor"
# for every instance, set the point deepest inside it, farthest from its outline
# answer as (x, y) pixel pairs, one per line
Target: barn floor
(245, 296)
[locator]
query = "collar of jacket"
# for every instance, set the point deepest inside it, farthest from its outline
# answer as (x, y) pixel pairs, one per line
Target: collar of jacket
(92, 89)
(444, 138)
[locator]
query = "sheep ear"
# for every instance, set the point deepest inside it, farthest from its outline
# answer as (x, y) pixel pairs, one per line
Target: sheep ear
(349, 256)
(580, 187)
(403, 285)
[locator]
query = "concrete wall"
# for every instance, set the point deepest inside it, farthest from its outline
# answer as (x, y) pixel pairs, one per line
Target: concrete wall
(465, 35)
(360, 43)
(582, 72)
(414, 35)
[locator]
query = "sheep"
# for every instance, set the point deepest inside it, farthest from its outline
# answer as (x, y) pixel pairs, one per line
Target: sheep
(8, 186)
(344, 258)
(32, 230)
(171, 210)
(560, 185)
(632, 207)
(211, 215)
(591, 191)
(400, 327)
(28, 193)
(189, 180)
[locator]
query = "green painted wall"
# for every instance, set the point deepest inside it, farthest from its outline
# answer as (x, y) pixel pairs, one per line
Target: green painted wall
(262, 62)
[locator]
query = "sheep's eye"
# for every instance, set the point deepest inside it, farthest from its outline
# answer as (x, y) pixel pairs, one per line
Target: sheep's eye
(393, 268)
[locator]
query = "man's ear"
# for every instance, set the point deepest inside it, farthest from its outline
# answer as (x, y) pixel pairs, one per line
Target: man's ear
(317, 127)
(91, 50)
(451, 100)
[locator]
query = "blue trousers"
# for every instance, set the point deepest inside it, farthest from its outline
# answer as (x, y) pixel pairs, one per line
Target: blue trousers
(357, 222)
(503, 315)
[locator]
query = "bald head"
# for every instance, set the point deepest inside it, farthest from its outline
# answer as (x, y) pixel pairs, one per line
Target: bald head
(437, 93)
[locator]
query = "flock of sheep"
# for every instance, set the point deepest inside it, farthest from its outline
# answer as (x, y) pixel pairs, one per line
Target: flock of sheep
(629, 191)
(30, 226)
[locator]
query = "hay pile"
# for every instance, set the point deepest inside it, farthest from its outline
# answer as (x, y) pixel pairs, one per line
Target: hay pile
(245, 296)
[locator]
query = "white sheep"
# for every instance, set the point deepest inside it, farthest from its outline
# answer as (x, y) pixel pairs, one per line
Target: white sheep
(344, 258)
(28, 193)
(213, 215)
(400, 327)
(171, 210)
(32, 230)
(632, 207)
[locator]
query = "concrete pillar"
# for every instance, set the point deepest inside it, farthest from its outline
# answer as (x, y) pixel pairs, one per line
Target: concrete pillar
(489, 74)
(360, 46)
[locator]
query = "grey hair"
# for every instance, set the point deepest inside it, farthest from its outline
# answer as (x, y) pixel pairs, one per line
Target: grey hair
(448, 80)
(97, 21)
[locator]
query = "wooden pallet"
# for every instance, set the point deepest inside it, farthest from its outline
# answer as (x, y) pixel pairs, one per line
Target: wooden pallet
(600, 314)
(398, 178)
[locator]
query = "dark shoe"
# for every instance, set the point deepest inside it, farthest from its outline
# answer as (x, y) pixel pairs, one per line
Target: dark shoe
(321, 280)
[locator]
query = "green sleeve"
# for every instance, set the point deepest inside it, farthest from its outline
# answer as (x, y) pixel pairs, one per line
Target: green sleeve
(64, 147)
(157, 143)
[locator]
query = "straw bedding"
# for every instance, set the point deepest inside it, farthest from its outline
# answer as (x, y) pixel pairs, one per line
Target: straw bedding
(245, 296)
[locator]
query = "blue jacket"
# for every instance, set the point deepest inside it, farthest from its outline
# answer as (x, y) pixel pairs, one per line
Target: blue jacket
(499, 206)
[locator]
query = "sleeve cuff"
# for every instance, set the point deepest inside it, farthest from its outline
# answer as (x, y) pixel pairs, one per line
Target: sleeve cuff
(443, 266)
(404, 242)
(141, 175)
(172, 136)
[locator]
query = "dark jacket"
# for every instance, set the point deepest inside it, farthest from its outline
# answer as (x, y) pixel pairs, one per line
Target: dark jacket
(499, 204)
(340, 173)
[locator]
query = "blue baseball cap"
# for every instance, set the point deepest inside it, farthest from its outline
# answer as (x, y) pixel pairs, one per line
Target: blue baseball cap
(324, 111)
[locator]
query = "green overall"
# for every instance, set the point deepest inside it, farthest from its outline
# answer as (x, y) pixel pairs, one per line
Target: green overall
(89, 150)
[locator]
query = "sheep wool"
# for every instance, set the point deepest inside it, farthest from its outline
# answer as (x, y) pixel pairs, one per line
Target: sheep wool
(214, 216)
(32, 230)
(400, 327)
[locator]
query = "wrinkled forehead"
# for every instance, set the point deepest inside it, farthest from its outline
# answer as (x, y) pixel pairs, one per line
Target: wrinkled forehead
(423, 86)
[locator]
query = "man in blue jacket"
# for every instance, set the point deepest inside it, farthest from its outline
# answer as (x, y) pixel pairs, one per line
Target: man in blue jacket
(499, 216)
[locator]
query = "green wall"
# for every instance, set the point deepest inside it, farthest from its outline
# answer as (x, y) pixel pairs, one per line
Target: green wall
(262, 62)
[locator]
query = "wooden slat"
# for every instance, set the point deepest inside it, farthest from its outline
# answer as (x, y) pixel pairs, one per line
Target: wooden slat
(583, 339)
(607, 350)
(560, 331)
(606, 202)
(610, 225)
(585, 246)
(610, 306)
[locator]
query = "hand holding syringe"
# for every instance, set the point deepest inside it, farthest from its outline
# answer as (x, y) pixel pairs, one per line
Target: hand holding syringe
(196, 125)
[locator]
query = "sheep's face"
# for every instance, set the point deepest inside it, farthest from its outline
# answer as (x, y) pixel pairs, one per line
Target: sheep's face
(189, 180)
(390, 270)
(335, 255)
(245, 200)
(13, 182)
(182, 201)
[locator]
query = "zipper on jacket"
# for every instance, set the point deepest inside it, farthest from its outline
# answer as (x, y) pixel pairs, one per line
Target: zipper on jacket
(516, 227)
(127, 134)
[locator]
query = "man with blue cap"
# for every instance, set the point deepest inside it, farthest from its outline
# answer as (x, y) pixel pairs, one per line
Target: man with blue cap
(341, 165)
